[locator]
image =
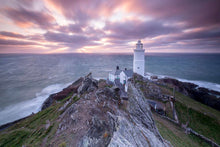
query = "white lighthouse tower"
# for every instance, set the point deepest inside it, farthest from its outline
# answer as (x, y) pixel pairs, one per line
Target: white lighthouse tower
(139, 59)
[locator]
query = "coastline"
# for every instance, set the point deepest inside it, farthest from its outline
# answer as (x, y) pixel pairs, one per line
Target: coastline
(9, 123)
(204, 84)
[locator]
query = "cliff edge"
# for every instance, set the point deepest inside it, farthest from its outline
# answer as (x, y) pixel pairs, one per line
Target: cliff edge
(88, 113)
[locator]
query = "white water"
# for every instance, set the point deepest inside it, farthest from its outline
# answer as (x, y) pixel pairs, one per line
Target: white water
(25, 108)
(208, 85)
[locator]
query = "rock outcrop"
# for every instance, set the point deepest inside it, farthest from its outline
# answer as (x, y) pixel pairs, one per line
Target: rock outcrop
(88, 113)
(203, 95)
(94, 113)
(98, 120)
(62, 94)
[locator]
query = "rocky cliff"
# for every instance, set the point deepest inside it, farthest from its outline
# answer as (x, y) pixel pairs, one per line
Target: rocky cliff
(88, 113)
(203, 95)
(98, 119)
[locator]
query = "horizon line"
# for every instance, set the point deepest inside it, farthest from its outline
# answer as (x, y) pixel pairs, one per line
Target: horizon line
(119, 53)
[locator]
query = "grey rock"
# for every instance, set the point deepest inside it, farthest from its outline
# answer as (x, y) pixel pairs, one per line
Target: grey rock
(97, 119)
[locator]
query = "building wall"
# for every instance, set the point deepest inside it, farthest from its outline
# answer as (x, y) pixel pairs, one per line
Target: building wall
(139, 62)
(122, 77)
(117, 76)
(126, 87)
(111, 77)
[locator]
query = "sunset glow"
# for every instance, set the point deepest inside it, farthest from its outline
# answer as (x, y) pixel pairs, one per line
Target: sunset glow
(111, 26)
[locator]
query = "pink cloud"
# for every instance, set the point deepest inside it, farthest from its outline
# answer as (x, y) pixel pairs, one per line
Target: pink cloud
(168, 25)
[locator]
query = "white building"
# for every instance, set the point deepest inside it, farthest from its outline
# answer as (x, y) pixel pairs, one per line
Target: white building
(120, 77)
(114, 75)
(139, 59)
(124, 76)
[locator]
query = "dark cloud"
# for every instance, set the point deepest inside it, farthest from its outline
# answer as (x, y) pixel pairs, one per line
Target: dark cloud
(81, 11)
(211, 34)
(76, 41)
(15, 42)
(26, 3)
(192, 12)
(34, 37)
(209, 39)
(62, 37)
(23, 17)
(11, 34)
(71, 28)
(173, 23)
(138, 30)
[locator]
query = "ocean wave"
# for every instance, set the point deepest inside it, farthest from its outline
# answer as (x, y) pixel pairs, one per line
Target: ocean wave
(25, 108)
(205, 84)
(208, 85)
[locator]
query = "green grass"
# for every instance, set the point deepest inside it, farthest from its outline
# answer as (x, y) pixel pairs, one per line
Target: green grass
(198, 121)
(32, 131)
(15, 138)
(63, 144)
(201, 118)
(182, 112)
(205, 125)
(176, 135)
(191, 103)
(66, 98)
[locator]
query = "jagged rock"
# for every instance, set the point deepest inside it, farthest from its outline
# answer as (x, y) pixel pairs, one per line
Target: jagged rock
(89, 84)
(97, 118)
(183, 87)
(137, 77)
(85, 85)
(48, 101)
(203, 95)
(137, 128)
(95, 82)
(99, 134)
(61, 95)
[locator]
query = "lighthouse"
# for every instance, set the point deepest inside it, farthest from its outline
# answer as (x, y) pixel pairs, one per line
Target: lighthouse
(139, 59)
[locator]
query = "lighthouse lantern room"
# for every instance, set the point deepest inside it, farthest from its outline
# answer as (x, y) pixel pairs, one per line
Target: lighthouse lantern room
(139, 59)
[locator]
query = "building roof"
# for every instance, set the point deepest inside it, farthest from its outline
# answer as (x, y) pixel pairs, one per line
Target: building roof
(117, 72)
(128, 73)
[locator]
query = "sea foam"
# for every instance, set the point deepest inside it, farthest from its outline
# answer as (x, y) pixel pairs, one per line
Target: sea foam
(25, 108)
(205, 84)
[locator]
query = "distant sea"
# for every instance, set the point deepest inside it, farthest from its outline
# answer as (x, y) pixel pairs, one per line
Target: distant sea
(26, 80)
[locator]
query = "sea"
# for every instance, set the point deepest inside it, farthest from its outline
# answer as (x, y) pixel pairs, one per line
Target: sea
(26, 80)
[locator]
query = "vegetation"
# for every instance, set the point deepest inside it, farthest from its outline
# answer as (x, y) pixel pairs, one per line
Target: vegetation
(176, 135)
(199, 122)
(39, 129)
(201, 118)
(32, 131)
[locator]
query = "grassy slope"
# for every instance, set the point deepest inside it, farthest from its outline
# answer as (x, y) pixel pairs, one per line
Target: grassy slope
(32, 131)
(191, 103)
(176, 135)
(203, 119)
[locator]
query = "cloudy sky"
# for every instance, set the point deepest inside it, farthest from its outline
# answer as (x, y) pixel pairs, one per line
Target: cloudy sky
(109, 26)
